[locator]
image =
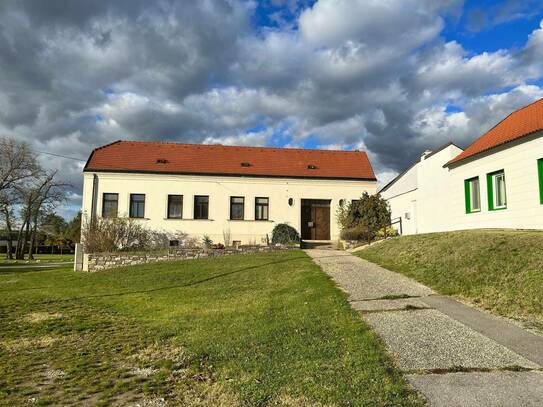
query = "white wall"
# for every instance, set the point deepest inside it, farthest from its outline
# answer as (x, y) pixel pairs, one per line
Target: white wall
(433, 190)
(401, 197)
(519, 161)
(416, 196)
(440, 197)
(157, 187)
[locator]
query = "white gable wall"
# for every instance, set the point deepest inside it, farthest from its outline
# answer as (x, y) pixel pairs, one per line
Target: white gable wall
(433, 181)
(416, 195)
(402, 197)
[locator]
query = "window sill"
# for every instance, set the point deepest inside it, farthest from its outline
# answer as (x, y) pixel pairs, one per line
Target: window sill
(139, 218)
(477, 211)
(185, 219)
(498, 209)
(250, 220)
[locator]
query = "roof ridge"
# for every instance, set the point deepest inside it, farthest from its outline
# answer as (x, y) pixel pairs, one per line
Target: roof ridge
(513, 113)
(232, 146)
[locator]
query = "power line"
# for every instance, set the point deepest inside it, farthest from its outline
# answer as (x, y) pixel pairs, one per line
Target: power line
(52, 154)
(59, 155)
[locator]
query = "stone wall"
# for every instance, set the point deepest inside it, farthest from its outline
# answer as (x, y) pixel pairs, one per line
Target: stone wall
(99, 262)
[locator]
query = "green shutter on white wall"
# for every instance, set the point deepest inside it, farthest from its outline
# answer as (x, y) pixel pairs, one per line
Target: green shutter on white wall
(540, 170)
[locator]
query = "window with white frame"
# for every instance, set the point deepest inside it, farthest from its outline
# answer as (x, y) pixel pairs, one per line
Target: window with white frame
(497, 195)
(473, 195)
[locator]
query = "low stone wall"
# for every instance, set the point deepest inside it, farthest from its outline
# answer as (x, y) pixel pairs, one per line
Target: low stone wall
(99, 262)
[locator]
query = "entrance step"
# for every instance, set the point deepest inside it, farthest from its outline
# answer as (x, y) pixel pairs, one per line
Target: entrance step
(319, 244)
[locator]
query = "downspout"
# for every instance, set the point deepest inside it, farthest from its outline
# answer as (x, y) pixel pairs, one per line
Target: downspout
(94, 196)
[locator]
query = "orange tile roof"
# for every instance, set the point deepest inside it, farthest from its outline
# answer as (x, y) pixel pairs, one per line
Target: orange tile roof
(520, 123)
(172, 158)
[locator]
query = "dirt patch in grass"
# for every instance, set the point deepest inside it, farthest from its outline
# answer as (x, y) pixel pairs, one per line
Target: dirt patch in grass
(87, 356)
(35, 317)
(20, 344)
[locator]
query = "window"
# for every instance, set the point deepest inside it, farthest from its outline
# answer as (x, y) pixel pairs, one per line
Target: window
(175, 206)
(261, 208)
(237, 207)
(473, 195)
(497, 198)
(110, 204)
(201, 207)
(540, 170)
(137, 205)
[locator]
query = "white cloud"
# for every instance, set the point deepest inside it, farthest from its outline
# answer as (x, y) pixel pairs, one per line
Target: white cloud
(375, 74)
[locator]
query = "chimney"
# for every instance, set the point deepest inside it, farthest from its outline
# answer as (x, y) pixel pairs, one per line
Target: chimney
(425, 154)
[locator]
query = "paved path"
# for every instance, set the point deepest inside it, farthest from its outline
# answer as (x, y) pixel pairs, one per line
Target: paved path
(34, 265)
(453, 354)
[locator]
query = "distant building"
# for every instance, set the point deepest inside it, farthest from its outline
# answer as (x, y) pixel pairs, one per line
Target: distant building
(496, 182)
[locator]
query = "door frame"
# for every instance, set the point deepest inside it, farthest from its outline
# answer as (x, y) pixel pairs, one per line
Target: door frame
(326, 203)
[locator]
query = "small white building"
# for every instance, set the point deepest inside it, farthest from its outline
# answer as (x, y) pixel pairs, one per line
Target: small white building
(496, 182)
(216, 190)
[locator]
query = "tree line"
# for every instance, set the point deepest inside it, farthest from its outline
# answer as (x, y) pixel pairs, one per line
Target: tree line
(29, 195)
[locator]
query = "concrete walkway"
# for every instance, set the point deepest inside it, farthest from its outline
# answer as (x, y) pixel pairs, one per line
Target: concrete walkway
(453, 354)
(34, 265)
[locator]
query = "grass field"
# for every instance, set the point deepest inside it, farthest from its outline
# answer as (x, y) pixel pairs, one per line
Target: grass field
(501, 271)
(263, 329)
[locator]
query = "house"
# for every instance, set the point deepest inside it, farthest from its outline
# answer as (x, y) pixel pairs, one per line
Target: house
(413, 195)
(496, 182)
(218, 190)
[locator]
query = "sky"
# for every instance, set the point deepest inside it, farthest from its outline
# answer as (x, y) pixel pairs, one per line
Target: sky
(391, 77)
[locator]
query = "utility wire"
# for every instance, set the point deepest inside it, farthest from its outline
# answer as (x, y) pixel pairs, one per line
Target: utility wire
(52, 154)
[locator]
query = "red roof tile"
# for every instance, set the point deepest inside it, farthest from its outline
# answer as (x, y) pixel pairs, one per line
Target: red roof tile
(142, 156)
(520, 123)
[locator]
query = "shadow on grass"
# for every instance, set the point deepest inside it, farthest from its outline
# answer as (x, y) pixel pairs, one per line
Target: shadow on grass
(191, 284)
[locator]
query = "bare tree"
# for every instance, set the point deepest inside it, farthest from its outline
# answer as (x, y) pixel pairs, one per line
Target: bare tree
(17, 163)
(7, 201)
(40, 193)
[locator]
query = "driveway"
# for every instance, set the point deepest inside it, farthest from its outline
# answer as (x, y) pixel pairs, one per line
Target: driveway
(451, 353)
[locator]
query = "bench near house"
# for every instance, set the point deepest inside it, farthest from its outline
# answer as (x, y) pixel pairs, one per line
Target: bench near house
(496, 182)
(211, 189)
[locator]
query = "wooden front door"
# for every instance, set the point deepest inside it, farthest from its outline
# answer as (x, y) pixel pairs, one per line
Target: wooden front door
(315, 219)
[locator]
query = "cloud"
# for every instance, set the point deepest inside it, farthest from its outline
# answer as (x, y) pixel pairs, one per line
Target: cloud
(374, 75)
(480, 18)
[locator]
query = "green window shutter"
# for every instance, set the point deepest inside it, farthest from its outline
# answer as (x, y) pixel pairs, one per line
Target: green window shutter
(540, 170)
(490, 191)
(467, 196)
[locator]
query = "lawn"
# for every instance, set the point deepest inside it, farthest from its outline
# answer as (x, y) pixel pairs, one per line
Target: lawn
(501, 271)
(262, 329)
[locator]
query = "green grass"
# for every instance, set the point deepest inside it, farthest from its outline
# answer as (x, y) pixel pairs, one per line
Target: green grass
(501, 271)
(262, 329)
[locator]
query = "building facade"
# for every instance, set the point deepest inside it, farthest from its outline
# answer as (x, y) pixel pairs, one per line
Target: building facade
(219, 191)
(496, 182)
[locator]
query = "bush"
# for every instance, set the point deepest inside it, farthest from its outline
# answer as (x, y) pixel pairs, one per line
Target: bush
(359, 232)
(389, 231)
(363, 219)
(110, 235)
(285, 234)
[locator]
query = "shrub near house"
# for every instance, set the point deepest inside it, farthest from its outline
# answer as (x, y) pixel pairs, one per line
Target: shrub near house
(363, 219)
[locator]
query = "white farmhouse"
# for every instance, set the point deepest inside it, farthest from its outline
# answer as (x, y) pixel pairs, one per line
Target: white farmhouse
(216, 190)
(496, 182)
